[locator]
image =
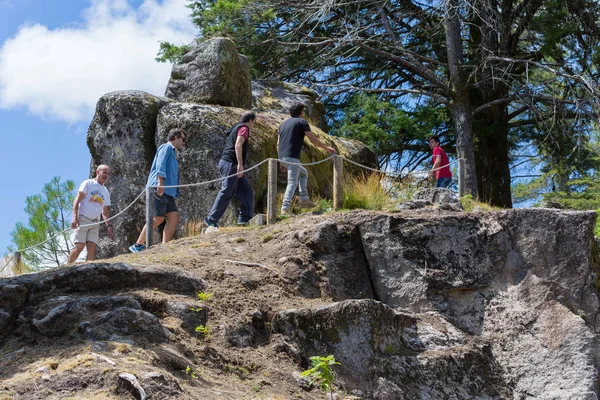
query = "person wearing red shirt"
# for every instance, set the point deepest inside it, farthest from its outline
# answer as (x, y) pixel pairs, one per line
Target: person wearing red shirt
(441, 167)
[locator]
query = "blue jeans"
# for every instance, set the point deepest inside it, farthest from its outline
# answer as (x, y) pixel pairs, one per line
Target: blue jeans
(233, 185)
(295, 174)
(443, 182)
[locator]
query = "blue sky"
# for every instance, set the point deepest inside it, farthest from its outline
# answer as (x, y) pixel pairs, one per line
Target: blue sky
(57, 57)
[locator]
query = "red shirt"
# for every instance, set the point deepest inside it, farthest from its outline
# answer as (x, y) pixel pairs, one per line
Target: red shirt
(244, 132)
(445, 171)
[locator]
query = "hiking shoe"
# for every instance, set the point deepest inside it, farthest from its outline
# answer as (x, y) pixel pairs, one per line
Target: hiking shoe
(287, 211)
(209, 224)
(136, 248)
(306, 203)
(243, 223)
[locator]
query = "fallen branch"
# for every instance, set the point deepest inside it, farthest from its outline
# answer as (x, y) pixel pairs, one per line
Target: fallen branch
(249, 264)
(11, 354)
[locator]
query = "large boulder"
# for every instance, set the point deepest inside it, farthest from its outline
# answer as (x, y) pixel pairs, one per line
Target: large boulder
(128, 148)
(280, 96)
(99, 302)
(122, 135)
(483, 305)
(212, 73)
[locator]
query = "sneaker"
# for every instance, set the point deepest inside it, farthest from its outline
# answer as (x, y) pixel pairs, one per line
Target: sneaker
(306, 203)
(136, 248)
(208, 223)
(243, 223)
(287, 211)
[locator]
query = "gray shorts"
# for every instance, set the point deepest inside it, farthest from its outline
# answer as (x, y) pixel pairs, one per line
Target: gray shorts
(85, 234)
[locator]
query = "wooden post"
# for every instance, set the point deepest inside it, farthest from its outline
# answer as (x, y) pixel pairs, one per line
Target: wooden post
(18, 265)
(149, 216)
(338, 194)
(272, 192)
(461, 177)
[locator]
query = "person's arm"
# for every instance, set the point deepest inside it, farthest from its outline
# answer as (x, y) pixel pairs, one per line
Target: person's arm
(317, 142)
(239, 143)
(161, 164)
(160, 190)
(436, 164)
(281, 166)
(109, 225)
(78, 199)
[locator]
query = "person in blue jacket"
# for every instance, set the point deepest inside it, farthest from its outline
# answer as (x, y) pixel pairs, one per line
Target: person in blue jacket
(164, 172)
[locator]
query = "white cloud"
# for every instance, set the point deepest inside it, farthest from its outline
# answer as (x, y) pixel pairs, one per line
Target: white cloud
(61, 73)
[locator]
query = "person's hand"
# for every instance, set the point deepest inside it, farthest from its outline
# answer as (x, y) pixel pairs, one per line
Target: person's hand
(160, 191)
(74, 223)
(282, 168)
(240, 171)
(111, 231)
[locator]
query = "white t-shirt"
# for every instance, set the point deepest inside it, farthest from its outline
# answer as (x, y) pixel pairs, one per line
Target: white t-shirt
(96, 198)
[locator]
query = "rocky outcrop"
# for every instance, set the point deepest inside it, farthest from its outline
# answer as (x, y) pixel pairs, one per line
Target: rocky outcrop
(506, 298)
(206, 126)
(129, 126)
(122, 135)
(96, 302)
(436, 305)
(212, 73)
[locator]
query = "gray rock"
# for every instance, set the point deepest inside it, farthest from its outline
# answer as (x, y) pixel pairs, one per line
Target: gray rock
(73, 301)
(371, 342)
(551, 204)
(437, 196)
(280, 96)
(212, 73)
(490, 305)
(169, 280)
(140, 123)
(413, 205)
(130, 383)
(121, 135)
(258, 220)
(190, 315)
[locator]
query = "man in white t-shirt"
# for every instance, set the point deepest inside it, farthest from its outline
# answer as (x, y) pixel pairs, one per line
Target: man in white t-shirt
(91, 202)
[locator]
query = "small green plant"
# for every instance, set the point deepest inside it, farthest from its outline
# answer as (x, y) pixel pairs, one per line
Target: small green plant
(322, 372)
(239, 240)
(267, 237)
(203, 330)
(190, 372)
(581, 313)
(196, 309)
(204, 296)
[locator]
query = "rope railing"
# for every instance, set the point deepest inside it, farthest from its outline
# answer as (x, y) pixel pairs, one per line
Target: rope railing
(270, 214)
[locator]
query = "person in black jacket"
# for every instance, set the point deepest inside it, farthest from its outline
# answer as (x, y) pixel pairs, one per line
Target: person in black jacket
(232, 163)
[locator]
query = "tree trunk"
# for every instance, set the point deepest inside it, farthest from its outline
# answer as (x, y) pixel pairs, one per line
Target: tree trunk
(460, 102)
(490, 126)
(491, 141)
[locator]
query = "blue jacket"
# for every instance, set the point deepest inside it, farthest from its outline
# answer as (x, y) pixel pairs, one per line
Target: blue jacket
(165, 165)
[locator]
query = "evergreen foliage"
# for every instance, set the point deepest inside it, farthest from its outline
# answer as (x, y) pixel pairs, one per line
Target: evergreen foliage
(524, 71)
(49, 214)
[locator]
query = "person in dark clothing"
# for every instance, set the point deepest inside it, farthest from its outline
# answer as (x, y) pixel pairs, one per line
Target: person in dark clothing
(289, 144)
(232, 163)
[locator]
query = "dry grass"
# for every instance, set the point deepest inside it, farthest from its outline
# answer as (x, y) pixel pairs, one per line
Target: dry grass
(469, 204)
(366, 192)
